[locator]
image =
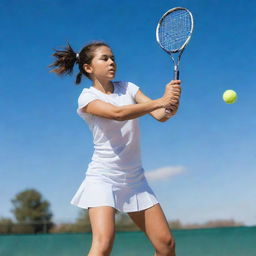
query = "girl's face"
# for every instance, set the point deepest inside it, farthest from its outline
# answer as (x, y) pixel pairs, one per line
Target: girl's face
(103, 64)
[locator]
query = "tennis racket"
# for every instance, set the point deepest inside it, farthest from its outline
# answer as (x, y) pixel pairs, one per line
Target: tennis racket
(173, 34)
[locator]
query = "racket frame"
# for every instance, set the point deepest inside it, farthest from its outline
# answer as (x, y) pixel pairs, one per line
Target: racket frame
(182, 48)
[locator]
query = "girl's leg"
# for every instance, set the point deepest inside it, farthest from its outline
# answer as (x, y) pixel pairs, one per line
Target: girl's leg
(152, 221)
(102, 220)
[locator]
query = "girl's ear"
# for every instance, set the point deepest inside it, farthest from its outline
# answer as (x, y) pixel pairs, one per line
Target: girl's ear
(87, 68)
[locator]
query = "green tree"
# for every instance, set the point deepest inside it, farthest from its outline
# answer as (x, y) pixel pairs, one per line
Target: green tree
(32, 211)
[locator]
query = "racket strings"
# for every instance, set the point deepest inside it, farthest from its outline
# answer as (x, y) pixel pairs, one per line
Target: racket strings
(175, 29)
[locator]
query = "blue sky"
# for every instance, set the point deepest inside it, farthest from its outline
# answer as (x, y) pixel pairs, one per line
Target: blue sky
(201, 163)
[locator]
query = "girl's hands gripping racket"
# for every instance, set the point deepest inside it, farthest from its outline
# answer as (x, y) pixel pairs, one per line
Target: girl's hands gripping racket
(173, 33)
(171, 96)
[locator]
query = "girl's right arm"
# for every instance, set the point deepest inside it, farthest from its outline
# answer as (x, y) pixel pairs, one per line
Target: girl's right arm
(121, 113)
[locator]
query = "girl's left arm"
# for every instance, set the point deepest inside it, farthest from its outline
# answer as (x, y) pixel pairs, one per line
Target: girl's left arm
(158, 114)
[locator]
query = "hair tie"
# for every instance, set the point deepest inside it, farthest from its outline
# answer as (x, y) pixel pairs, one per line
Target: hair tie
(77, 55)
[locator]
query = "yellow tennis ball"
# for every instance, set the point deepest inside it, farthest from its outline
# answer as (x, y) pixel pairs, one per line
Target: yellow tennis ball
(229, 96)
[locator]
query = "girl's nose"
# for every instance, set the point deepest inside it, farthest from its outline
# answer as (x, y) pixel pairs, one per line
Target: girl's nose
(111, 61)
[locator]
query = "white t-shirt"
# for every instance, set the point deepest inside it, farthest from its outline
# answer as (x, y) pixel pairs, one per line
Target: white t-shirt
(116, 143)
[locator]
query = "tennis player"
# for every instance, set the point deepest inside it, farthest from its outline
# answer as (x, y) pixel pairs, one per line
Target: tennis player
(115, 179)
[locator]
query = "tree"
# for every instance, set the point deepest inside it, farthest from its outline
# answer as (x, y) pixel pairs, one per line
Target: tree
(30, 209)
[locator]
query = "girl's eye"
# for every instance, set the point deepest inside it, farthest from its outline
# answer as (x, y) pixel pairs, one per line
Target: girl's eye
(105, 58)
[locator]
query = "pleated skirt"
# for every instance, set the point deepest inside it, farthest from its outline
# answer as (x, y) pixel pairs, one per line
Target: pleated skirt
(125, 193)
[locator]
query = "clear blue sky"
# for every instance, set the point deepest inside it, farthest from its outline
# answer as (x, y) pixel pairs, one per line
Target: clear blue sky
(207, 149)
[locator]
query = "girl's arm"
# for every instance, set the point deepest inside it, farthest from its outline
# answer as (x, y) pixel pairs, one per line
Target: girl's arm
(127, 112)
(158, 114)
(122, 113)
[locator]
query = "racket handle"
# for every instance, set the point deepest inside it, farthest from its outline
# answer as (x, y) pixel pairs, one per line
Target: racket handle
(176, 74)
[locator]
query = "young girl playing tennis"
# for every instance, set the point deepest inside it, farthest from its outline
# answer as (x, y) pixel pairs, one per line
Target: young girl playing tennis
(115, 177)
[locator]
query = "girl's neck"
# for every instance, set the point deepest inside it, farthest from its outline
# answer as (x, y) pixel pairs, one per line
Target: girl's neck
(106, 86)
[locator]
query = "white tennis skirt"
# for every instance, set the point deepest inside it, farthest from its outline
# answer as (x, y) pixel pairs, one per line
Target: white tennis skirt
(124, 191)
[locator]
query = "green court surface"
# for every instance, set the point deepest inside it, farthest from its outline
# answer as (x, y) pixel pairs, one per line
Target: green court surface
(199, 242)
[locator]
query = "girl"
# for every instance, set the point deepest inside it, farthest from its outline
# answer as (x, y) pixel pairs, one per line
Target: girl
(115, 177)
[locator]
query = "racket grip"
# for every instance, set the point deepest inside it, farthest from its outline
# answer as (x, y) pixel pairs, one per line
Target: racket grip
(176, 74)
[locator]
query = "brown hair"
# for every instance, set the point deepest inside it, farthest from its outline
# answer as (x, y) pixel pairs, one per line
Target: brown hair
(66, 59)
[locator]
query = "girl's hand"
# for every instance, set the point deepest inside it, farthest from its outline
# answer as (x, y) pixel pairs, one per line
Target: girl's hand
(172, 110)
(172, 94)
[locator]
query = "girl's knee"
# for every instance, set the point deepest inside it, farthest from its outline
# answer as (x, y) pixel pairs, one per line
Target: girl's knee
(103, 244)
(166, 248)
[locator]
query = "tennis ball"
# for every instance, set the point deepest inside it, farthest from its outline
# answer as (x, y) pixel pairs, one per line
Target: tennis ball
(229, 96)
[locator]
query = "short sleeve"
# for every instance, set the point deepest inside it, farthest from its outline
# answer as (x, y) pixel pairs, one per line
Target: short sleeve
(85, 98)
(133, 89)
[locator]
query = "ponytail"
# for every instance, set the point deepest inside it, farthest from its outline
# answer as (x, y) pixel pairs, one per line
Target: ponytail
(67, 58)
(79, 78)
